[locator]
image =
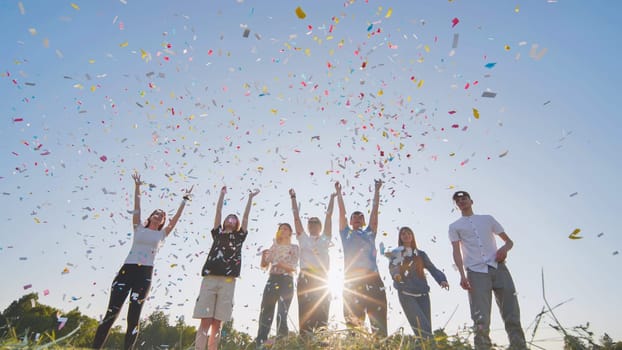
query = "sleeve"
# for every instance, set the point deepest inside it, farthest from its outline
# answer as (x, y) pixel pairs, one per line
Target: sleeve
(496, 226)
(138, 227)
(438, 275)
(344, 233)
(369, 232)
(215, 232)
(454, 236)
(241, 235)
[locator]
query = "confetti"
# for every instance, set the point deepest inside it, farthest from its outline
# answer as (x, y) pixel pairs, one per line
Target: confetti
(300, 13)
(489, 94)
(575, 234)
(454, 22)
(75, 7)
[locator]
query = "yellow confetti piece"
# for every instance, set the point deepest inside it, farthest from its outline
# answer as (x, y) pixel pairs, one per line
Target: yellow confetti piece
(507, 47)
(78, 86)
(575, 234)
(124, 44)
(308, 52)
(37, 221)
(144, 55)
(32, 31)
(365, 139)
(380, 92)
(93, 88)
(91, 61)
(173, 265)
(427, 199)
(420, 84)
(76, 7)
(426, 48)
(300, 13)
(389, 13)
(475, 113)
(517, 9)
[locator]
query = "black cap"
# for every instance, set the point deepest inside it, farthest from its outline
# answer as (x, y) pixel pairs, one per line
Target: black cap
(459, 194)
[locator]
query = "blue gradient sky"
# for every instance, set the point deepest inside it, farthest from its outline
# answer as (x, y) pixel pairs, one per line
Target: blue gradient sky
(175, 91)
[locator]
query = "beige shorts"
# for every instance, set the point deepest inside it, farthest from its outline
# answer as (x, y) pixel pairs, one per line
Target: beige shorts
(215, 298)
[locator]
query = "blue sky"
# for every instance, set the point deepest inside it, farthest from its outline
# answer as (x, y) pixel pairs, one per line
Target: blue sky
(356, 90)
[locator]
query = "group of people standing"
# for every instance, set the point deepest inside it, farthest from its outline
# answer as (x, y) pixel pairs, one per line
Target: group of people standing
(480, 264)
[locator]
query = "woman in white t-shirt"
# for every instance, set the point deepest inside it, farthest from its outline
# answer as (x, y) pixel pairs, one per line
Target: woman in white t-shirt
(135, 274)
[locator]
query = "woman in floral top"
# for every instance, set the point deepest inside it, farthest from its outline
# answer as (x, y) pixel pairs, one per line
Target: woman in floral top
(406, 267)
(281, 258)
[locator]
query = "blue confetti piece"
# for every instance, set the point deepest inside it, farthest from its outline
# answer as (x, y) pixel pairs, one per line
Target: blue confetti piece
(490, 65)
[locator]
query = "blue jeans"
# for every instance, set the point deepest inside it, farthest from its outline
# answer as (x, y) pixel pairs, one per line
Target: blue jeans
(417, 310)
(279, 289)
(313, 301)
(365, 295)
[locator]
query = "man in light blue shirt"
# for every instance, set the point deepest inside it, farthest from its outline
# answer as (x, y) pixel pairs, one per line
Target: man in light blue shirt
(363, 291)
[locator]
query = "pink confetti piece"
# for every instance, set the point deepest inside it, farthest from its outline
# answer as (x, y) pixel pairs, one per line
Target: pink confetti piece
(103, 158)
(27, 286)
(454, 22)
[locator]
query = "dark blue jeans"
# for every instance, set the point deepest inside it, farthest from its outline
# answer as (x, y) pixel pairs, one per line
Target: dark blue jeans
(364, 294)
(313, 301)
(279, 290)
(417, 310)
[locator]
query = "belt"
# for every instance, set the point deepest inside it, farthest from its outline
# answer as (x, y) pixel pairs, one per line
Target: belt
(414, 294)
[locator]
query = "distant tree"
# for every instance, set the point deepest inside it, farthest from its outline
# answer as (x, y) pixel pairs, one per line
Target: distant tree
(157, 333)
(27, 319)
(30, 319)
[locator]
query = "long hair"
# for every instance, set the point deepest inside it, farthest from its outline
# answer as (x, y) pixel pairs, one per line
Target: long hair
(148, 222)
(279, 236)
(417, 259)
(237, 219)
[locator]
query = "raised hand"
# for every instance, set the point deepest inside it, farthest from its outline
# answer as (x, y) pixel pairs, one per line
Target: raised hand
(136, 177)
(253, 193)
(378, 183)
(292, 193)
(187, 193)
(337, 187)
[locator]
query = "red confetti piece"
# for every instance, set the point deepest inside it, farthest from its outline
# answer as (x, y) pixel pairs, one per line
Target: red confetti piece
(454, 22)
(103, 158)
